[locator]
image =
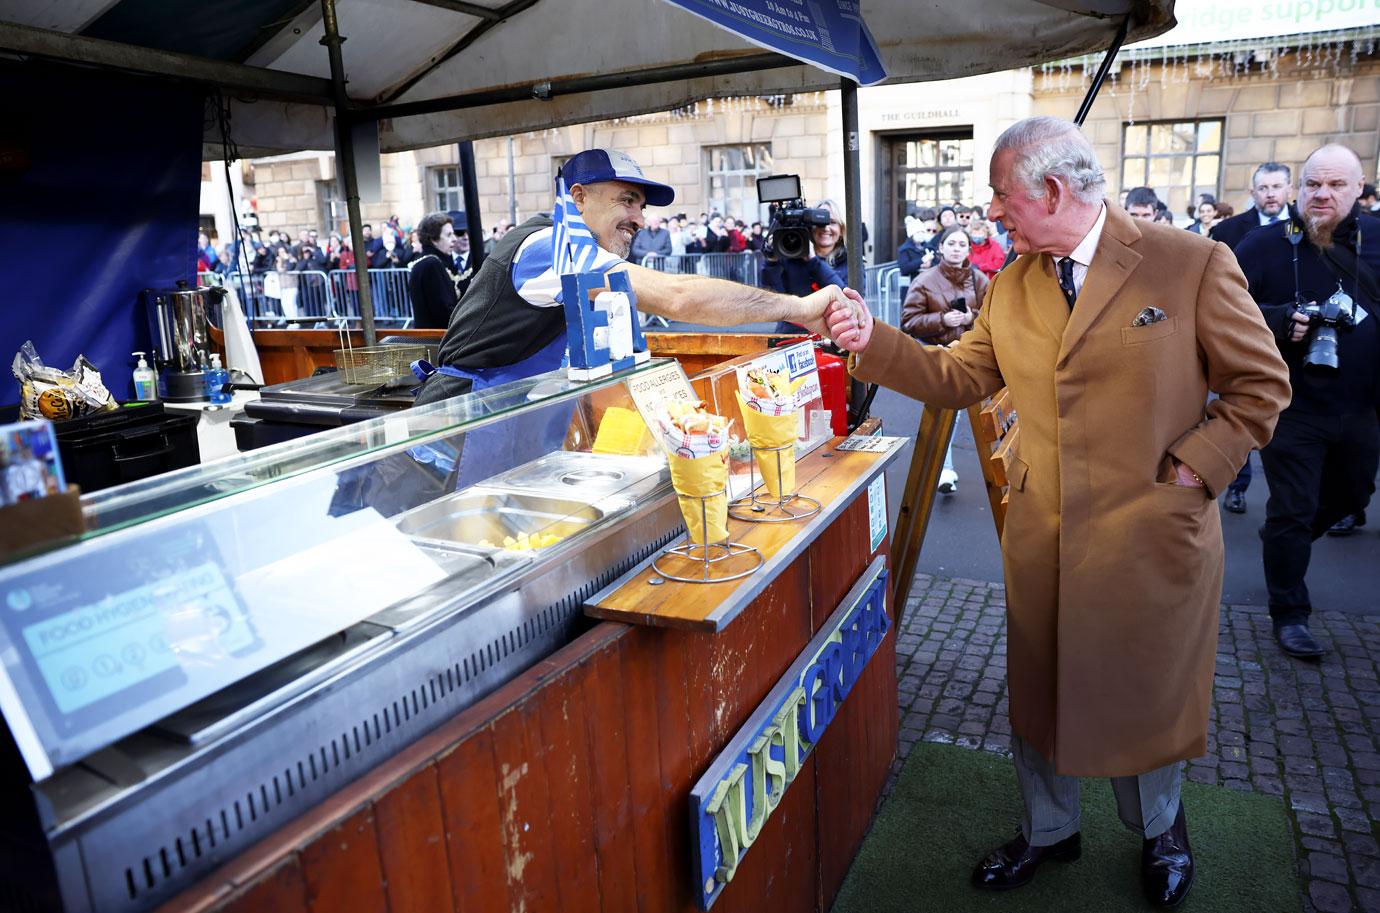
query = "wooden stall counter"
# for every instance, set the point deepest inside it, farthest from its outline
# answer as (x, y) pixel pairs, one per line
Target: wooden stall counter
(830, 476)
(569, 788)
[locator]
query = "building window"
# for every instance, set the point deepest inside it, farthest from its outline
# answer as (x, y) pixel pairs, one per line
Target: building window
(446, 193)
(934, 171)
(1176, 159)
(730, 176)
(330, 208)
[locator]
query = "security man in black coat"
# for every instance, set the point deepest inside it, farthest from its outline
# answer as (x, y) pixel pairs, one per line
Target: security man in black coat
(1270, 194)
(1321, 464)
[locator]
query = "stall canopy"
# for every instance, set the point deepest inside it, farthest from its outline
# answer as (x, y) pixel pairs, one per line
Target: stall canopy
(438, 71)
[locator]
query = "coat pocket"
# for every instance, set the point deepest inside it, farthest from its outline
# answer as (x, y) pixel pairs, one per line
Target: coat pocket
(1134, 336)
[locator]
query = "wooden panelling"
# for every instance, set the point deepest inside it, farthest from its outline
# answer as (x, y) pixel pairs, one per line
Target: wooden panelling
(524, 803)
(474, 825)
(279, 890)
(652, 745)
(341, 867)
(607, 723)
(566, 768)
(412, 845)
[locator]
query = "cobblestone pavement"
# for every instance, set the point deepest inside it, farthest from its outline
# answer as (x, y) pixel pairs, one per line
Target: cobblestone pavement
(1304, 732)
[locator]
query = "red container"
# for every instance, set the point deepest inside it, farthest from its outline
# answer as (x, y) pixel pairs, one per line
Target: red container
(833, 386)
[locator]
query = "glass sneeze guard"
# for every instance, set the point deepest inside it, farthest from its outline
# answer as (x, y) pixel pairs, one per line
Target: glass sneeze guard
(191, 581)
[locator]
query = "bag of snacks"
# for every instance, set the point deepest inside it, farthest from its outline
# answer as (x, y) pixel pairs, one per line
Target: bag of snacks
(55, 394)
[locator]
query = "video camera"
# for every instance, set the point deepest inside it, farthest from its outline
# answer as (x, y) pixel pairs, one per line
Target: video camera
(788, 234)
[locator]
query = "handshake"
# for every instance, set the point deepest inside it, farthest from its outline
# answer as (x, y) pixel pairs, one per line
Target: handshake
(840, 314)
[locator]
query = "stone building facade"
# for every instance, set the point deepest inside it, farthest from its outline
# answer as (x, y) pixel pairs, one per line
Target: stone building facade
(1181, 124)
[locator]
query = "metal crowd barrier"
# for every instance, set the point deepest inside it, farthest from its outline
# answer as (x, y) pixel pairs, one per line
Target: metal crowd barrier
(387, 289)
(314, 297)
(884, 289)
(742, 267)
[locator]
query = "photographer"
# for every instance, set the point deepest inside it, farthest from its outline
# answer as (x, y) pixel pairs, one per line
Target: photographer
(1321, 464)
(917, 252)
(802, 245)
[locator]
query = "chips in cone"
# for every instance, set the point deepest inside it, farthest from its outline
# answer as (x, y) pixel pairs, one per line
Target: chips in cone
(702, 477)
(767, 431)
(696, 444)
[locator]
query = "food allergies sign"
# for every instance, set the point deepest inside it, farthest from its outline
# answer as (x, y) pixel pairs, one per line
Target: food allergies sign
(745, 783)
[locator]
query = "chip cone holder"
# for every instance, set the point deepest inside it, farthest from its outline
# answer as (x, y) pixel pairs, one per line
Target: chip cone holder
(708, 558)
(787, 507)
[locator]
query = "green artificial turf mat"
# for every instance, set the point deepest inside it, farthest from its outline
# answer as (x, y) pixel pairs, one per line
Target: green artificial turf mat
(951, 806)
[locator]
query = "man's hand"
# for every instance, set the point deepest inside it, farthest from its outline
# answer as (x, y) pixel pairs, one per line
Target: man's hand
(816, 307)
(1185, 476)
(850, 322)
(1299, 328)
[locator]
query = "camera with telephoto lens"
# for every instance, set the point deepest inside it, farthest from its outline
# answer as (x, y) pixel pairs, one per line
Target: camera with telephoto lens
(1324, 320)
(788, 234)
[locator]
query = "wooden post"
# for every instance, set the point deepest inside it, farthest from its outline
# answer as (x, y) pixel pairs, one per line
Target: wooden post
(926, 462)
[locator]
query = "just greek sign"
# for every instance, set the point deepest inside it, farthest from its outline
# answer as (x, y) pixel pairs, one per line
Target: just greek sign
(745, 783)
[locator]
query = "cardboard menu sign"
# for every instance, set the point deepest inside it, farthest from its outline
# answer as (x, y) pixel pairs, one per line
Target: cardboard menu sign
(794, 363)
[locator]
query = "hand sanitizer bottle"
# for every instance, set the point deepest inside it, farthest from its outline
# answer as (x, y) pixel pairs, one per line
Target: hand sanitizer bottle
(216, 378)
(145, 380)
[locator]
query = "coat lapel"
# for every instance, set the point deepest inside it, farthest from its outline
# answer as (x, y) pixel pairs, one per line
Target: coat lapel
(1045, 297)
(1112, 265)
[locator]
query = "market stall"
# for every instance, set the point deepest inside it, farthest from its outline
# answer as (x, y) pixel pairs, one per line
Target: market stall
(317, 676)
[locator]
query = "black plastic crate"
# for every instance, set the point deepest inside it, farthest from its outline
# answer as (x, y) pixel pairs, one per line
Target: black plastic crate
(126, 444)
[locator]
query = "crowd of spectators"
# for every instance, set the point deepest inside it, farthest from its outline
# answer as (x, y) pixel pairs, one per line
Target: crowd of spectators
(711, 233)
(393, 247)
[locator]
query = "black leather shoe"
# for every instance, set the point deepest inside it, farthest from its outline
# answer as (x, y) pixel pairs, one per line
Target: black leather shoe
(1297, 640)
(1013, 864)
(1235, 501)
(1345, 526)
(1166, 864)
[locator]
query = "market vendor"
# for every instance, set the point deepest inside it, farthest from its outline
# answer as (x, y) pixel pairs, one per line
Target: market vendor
(511, 322)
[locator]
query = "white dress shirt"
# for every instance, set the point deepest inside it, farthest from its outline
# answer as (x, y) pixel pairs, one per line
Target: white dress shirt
(1268, 220)
(1083, 254)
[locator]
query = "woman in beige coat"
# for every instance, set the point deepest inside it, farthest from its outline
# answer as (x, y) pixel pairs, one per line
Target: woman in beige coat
(942, 302)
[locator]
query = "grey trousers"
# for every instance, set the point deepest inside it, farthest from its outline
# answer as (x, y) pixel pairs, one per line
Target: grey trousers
(1147, 803)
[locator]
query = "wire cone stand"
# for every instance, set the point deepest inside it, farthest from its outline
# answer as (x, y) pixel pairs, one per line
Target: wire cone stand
(709, 563)
(793, 506)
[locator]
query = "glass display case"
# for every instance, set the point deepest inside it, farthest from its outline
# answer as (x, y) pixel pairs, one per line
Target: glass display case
(242, 637)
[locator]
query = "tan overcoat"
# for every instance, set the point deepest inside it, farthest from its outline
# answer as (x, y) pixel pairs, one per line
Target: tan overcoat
(1113, 573)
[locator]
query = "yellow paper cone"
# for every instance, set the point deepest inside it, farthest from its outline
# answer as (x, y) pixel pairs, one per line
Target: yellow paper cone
(702, 477)
(765, 431)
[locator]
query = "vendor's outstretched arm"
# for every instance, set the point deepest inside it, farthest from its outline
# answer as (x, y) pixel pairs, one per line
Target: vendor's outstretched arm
(718, 302)
(950, 377)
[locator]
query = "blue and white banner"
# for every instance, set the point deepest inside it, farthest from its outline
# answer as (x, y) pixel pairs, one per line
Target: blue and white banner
(829, 34)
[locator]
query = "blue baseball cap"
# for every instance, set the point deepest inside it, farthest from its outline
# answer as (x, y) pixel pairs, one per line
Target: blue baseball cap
(596, 165)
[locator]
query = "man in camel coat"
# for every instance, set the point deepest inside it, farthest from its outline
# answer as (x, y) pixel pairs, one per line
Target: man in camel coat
(1109, 333)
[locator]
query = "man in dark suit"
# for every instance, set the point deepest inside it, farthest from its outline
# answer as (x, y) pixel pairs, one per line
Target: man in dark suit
(1270, 195)
(1322, 461)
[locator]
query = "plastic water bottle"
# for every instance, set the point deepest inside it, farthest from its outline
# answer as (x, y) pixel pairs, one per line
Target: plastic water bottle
(216, 379)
